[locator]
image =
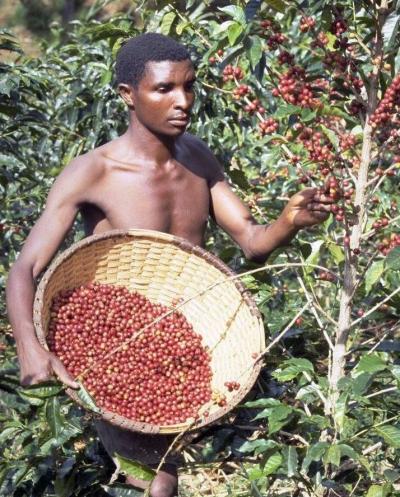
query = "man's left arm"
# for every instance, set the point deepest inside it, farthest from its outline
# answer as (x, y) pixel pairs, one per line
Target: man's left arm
(305, 208)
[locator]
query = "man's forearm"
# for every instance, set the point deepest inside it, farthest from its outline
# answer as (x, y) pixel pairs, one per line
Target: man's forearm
(20, 295)
(264, 239)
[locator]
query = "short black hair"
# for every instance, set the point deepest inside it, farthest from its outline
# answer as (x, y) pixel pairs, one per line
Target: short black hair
(136, 52)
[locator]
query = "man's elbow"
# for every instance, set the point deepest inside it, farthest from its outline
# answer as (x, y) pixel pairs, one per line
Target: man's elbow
(255, 257)
(20, 270)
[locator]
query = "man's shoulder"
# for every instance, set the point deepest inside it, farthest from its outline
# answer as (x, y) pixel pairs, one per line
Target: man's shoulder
(195, 143)
(199, 150)
(89, 164)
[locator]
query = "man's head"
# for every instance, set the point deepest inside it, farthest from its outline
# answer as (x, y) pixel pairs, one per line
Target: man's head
(148, 47)
(155, 77)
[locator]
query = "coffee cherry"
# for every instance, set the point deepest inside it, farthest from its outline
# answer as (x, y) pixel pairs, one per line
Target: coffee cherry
(306, 23)
(268, 126)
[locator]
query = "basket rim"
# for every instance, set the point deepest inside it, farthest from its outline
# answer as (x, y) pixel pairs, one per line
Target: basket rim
(188, 247)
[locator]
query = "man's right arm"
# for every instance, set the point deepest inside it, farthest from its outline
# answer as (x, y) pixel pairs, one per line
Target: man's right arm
(65, 197)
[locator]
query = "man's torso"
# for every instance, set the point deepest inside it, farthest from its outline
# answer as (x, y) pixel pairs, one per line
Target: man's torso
(174, 198)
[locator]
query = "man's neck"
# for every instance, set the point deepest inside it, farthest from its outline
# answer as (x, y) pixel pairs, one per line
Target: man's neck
(148, 146)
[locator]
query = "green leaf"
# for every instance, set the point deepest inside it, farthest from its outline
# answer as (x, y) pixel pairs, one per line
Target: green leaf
(263, 403)
(258, 446)
(307, 115)
(371, 363)
(340, 411)
(254, 473)
(34, 401)
(135, 468)
(332, 455)
(392, 260)
(336, 252)
(373, 274)
(86, 399)
(292, 368)
(53, 416)
(332, 137)
(122, 490)
(272, 464)
(390, 433)
(287, 110)
(278, 413)
(234, 31)
(361, 383)
(167, 22)
(43, 390)
(378, 490)
(314, 453)
(391, 475)
(180, 28)
(390, 30)
(347, 451)
(313, 258)
(237, 13)
(278, 5)
(255, 51)
(279, 417)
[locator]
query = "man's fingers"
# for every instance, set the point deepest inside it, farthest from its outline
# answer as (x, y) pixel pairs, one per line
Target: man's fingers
(315, 206)
(61, 372)
(28, 380)
(324, 199)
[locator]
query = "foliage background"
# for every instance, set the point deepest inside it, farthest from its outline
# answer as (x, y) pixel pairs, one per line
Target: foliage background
(308, 438)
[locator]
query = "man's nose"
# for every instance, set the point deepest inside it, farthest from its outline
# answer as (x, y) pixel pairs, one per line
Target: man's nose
(183, 100)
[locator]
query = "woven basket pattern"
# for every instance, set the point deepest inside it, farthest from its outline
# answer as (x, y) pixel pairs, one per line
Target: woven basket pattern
(165, 268)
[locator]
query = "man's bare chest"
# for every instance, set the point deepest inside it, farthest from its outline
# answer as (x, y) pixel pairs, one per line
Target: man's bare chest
(175, 201)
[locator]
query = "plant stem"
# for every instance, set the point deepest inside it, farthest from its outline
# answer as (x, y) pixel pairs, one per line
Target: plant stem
(355, 232)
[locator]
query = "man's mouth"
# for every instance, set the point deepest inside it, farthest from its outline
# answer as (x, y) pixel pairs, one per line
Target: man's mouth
(181, 120)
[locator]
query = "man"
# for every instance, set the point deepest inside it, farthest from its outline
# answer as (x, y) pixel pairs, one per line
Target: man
(154, 176)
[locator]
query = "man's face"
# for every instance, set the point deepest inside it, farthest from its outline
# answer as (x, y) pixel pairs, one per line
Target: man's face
(164, 97)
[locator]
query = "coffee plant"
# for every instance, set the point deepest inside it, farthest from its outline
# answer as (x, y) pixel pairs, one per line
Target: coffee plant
(290, 94)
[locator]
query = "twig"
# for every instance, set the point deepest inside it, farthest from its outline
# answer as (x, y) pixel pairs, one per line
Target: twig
(356, 321)
(216, 88)
(378, 343)
(365, 430)
(295, 437)
(313, 310)
(370, 449)
(373, 232)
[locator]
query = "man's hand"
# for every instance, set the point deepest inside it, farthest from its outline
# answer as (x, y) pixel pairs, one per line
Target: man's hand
(308, 207)
(39, 365)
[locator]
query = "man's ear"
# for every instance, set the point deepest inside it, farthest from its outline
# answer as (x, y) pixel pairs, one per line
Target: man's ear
(126, 92)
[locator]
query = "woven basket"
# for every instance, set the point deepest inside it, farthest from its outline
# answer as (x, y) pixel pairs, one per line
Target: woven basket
(165, 268)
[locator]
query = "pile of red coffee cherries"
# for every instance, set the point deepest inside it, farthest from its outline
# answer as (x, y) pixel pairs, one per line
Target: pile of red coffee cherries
(161, 375)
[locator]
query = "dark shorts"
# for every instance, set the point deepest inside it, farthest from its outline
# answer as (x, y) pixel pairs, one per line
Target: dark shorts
(143, 448)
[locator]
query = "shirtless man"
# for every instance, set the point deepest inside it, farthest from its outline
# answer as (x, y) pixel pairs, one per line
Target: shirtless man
(155, 176)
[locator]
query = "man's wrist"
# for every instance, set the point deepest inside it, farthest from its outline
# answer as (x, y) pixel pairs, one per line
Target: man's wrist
(27, 341)
(286, 224)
